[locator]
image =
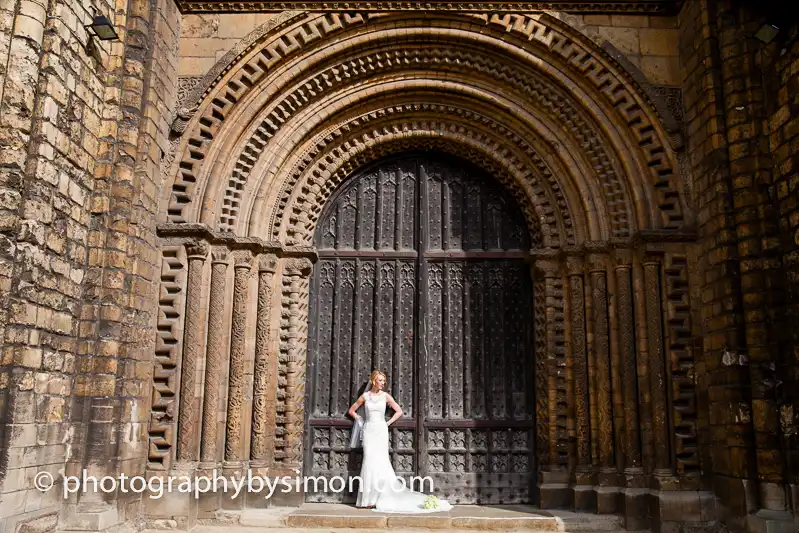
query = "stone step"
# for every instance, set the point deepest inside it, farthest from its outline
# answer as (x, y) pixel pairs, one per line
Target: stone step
(466, 517)
(331, 517)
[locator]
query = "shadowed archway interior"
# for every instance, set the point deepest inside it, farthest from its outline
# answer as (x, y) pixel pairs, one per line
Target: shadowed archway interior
(422, 273)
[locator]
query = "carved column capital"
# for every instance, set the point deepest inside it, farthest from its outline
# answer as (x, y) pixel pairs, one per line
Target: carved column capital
(298, 267)
(546, 268)
(267, 263)
(242, 258)
(575, 265)
(597, 261)
(624, 258)
(596, 256)
(219, 254)
(197, 250)
(650, 259)
(545, 263)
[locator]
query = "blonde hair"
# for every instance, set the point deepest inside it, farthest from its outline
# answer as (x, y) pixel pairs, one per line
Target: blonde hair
(373, 376)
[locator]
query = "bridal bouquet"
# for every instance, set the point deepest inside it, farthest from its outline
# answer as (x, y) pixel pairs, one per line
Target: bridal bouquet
(431, 502)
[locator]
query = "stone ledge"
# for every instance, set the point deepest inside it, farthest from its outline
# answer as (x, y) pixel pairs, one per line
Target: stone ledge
(461, 517)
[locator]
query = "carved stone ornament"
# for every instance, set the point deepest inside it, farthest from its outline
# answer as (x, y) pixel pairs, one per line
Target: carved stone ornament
(242, 258)
(547, 268)
(787, 420)
(597, 261)
(182, 119)
(574, 265)
(619, 6)
(267, 263)
(298, 267)
(220, 254)
(624, 257)
(197, 250)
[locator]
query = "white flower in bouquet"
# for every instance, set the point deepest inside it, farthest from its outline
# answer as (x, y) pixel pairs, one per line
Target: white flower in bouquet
(431, 502)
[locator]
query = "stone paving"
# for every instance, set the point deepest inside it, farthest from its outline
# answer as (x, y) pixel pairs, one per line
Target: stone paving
(334, 518)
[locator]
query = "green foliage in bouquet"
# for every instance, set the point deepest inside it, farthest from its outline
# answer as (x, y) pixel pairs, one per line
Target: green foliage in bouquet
(431, 502)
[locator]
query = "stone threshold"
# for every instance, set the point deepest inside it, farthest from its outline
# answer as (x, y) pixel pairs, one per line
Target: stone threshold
(465, 518)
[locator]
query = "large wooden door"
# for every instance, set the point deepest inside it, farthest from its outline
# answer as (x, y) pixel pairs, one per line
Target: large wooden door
(422, 275)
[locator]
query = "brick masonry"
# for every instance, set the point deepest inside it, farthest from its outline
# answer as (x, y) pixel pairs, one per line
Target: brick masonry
(83, 271)
(82, 143)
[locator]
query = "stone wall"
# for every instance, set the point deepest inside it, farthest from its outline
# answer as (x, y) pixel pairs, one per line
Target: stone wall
(204, 39)
(82, 143)
(739, 124)
(781, 102)
(650, 43)
(647, 42)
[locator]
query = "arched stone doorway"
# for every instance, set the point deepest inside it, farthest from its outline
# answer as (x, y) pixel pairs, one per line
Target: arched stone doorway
(569, 134)
(422, 273)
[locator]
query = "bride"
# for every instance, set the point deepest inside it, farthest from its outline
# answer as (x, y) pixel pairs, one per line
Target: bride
(380, 488)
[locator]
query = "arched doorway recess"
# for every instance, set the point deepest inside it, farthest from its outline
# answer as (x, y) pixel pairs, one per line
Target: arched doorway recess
(422, 273)
(308, 100)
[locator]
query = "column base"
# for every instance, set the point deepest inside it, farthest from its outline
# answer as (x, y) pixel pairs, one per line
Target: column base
(771, 522)
(174, 508)
(92, 517)
(554, 490)
(607, 499)
(584, 498)
(635, 508)
(674, 510)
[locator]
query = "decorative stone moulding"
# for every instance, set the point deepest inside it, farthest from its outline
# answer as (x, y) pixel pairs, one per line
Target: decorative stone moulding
(302, 139)
(201, 236)
(655, 7)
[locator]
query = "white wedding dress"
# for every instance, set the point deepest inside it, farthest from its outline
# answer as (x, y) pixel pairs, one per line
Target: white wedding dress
(379, 484)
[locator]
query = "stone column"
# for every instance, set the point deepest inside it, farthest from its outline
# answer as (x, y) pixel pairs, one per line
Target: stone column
(259, 446)
(642, 361)
(234, 442)
(296, 270)
(216, 355)
(583, 477)
(629, 371)
(635, 492)
(188, 448)
(607, 480)
(616, 388)
(657, 370)
(554, 486)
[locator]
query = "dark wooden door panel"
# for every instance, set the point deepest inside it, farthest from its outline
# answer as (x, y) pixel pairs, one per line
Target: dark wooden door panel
(422, 275)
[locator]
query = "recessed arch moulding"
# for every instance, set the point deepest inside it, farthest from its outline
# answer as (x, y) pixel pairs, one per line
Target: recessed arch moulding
(308, 98)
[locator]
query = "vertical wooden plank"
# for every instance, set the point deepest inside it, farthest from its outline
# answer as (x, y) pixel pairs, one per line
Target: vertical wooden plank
(368, 212)
(435, 276)
(455, 339)
(385, 306)
(407, 373)
(345, 294)
(477, 383)
(324, 344)
(422, 318)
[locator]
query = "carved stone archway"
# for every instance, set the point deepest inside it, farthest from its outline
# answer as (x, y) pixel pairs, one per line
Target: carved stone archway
(572, 136)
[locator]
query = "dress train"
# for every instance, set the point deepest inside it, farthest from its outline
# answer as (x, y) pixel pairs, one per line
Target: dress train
(380, 487)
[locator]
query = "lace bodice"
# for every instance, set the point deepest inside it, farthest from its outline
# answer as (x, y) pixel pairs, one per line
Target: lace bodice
(375, 406)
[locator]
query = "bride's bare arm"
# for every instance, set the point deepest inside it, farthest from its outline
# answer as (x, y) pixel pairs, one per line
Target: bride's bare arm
(395, 406)
(354, 407)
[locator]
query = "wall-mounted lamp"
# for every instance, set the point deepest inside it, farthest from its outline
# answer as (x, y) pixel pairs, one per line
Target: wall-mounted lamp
(767, 33)
(101, 28)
